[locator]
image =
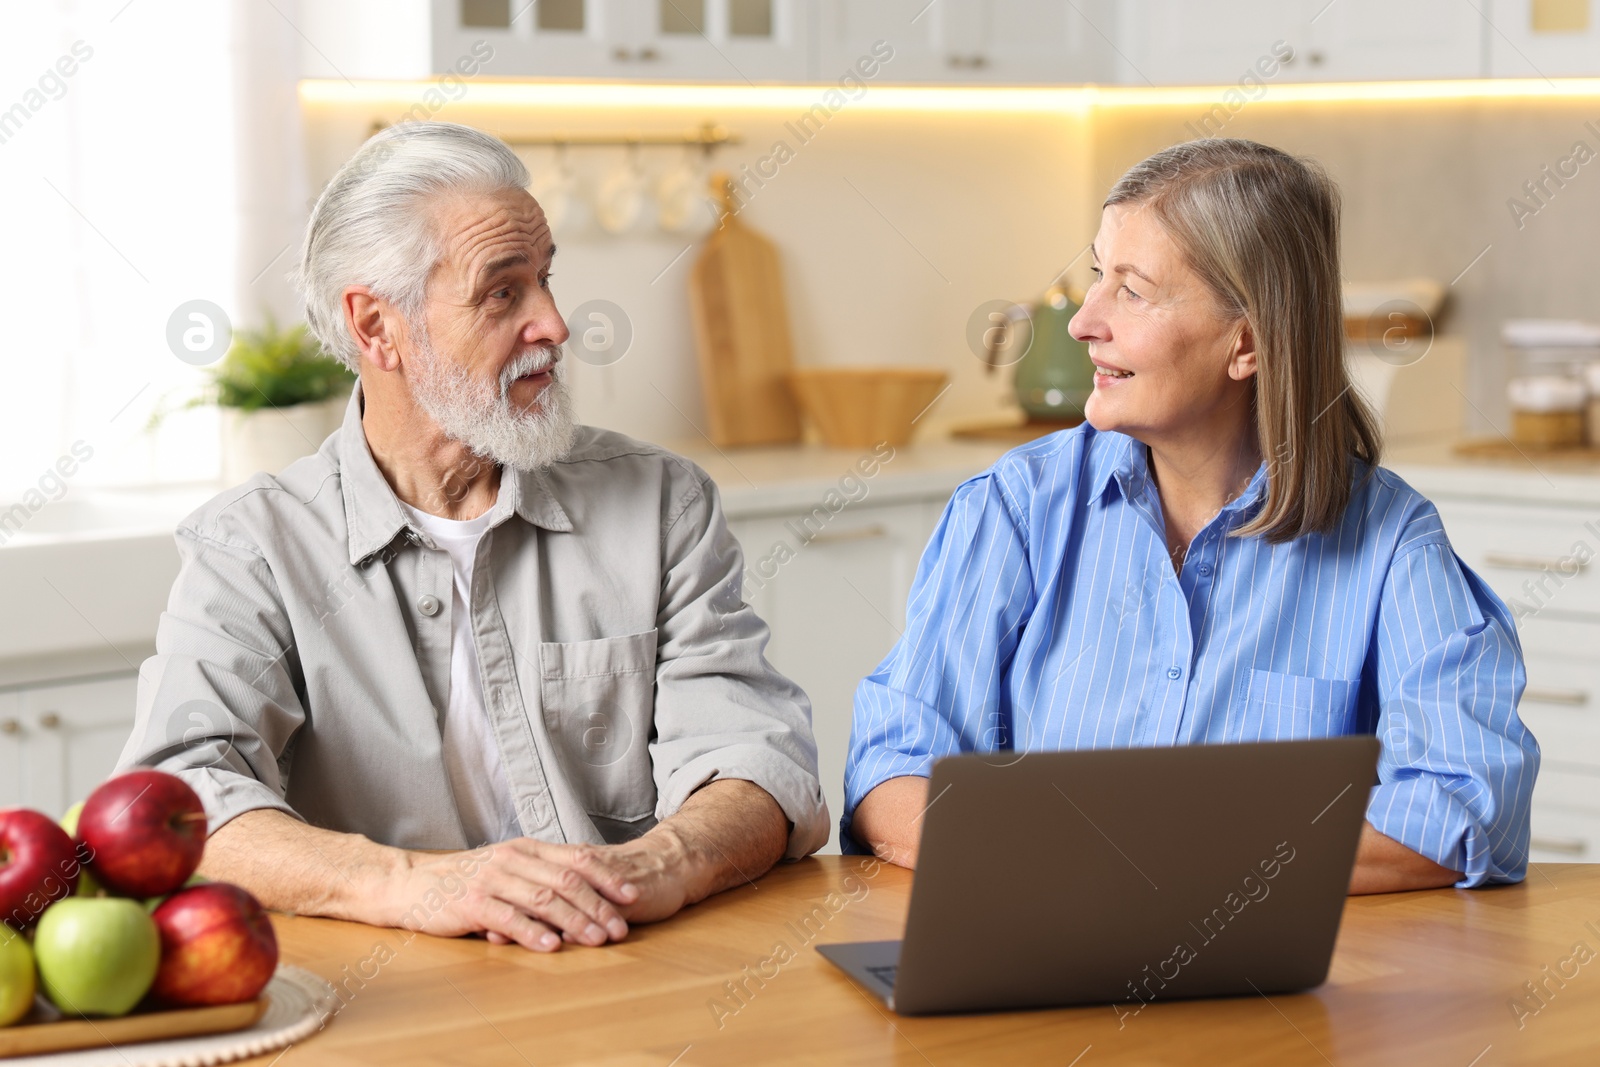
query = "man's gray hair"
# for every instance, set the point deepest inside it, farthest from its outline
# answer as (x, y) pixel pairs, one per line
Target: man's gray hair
(371, 225)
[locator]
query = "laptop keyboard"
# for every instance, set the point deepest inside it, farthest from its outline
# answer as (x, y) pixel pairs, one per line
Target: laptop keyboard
(885, 974)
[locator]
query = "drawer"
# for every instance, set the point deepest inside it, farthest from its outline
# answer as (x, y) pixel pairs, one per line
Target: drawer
(1541, 557)
(1564, 836)
(1566, 787)
(1548, 637)
(1561, 705)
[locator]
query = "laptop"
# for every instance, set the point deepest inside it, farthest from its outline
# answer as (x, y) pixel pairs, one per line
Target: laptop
(1125, 876)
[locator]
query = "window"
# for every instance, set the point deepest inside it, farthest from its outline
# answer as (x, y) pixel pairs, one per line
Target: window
(489, 14)
(119, 158)
(750, 18)
(560, 15)
(683, 16)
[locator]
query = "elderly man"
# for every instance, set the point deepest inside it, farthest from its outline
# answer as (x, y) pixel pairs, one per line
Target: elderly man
(467, 620)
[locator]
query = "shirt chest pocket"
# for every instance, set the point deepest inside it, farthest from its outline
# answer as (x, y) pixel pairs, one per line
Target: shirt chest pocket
(599, 702)
(1269, 706)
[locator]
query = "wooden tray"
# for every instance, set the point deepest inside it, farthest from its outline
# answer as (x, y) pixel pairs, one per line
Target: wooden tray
(40, 1033)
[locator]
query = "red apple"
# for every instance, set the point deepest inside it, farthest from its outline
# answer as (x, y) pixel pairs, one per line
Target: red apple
(145, 831)
(217, 946)
(38, 864)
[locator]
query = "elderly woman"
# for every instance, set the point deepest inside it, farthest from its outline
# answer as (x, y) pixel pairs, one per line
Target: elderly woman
(1216, 554)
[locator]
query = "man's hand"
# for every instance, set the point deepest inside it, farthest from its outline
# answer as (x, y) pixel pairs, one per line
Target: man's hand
(535, 894)
(532, 893)
(727, 833)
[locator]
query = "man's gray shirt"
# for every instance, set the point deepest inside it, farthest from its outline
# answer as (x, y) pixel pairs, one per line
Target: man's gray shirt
(303, 661)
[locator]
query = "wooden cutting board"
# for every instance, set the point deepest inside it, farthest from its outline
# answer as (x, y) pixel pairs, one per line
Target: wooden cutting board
(32, 1038)
(741, 326)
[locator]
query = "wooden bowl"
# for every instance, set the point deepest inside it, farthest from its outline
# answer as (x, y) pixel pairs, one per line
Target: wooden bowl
(859, 407)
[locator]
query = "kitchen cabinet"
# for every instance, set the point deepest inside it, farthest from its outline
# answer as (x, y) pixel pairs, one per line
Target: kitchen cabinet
(1207, 42)
(973, 41)
(63, 739)
(1221, 42)
(1544, 39)
(835, 608)
(1528, 554)
(1017, 42)
(1379, 40)
(734, 41)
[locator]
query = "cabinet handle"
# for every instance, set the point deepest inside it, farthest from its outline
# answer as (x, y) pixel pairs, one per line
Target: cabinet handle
(1567, 846)
(975, 61)
(1570, 697)
(50, 720)
(10, 726)
(647, 54)
(1514, 562)
(1314, 58)
(836, 537)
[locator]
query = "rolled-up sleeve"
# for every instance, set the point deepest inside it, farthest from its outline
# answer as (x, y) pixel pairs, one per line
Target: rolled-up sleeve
(721, 710)
(1457, 767)
(217, 704)
(941, 690)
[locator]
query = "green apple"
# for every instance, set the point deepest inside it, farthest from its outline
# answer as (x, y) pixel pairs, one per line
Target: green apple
(87, 886)
(96, 955)
(69, 821)
(16, 976)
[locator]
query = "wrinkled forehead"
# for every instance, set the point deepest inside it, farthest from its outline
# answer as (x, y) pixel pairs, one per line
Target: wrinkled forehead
(479, 233)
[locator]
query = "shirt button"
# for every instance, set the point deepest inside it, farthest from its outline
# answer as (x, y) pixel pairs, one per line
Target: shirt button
(1205, 570)
(1174, 672)
(429, 604)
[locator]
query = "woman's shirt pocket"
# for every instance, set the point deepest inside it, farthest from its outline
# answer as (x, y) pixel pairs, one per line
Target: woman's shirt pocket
(599, 701)
(1269, 706)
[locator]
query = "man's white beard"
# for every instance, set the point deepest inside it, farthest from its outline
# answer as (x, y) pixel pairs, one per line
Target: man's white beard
(480, 415)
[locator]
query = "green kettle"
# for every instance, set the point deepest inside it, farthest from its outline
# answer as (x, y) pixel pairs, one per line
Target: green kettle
(1054, 376)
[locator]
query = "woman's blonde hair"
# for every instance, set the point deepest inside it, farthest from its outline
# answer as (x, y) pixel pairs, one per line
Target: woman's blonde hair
(1261, 228)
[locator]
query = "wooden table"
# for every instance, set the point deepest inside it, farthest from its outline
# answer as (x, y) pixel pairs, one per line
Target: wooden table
(1418, 978)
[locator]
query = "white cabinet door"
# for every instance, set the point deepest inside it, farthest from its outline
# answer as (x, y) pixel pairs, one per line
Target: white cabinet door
(74, 734)
(550, 39)
(726, 40)
(13, 771)
(1029, 41)
(974, 41)
(1544, 39)
(1209, 42)
(918, 31)
(836, 605)
(1378, 40)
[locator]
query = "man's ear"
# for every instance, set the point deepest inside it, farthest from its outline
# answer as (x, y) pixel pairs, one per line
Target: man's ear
(371, 322)
(1242, 363)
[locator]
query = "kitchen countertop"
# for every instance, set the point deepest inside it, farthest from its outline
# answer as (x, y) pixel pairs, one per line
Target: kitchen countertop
(782, 478)
(1436, 469)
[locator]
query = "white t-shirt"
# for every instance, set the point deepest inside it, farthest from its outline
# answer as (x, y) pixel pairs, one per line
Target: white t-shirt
(471, 753)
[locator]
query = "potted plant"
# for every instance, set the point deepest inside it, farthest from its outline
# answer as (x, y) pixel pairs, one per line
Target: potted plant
(280, 396)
